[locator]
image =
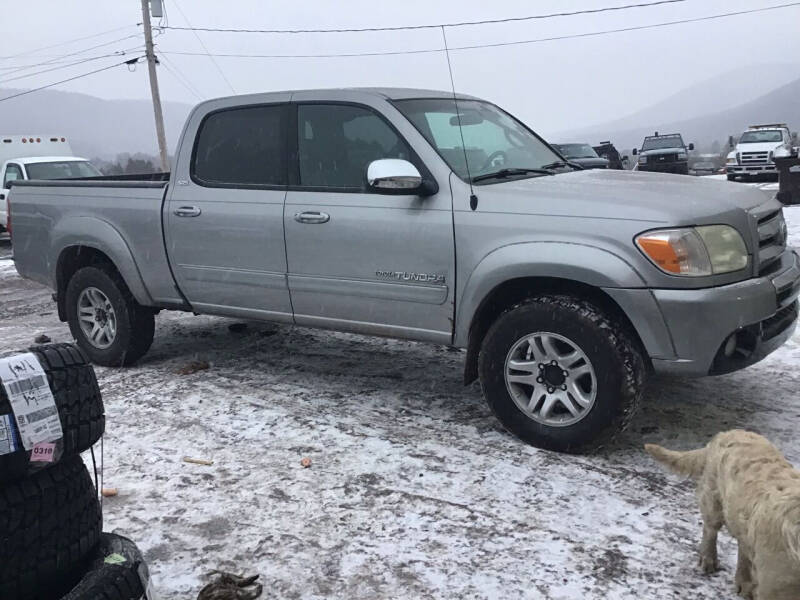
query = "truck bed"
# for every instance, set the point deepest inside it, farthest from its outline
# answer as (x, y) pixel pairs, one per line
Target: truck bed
(121, 216)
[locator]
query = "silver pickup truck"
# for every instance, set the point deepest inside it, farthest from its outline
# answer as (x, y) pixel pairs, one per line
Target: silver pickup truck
(422, 215)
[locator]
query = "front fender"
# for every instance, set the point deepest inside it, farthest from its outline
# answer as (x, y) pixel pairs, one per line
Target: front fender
(582, 263)
(100, 235)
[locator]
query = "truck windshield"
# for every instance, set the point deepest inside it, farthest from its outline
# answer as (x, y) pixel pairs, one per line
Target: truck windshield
(494, 140)
(577, 150)
(67, 169)
(662, 141)
(754, 137)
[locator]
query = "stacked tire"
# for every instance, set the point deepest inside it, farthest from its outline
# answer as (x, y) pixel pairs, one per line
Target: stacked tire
(50, 516)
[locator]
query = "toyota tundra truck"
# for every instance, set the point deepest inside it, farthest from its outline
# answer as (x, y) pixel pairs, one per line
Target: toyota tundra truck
(426, 216)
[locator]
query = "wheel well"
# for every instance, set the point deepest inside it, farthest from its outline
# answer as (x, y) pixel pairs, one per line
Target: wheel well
(514, 291)
(70, 261)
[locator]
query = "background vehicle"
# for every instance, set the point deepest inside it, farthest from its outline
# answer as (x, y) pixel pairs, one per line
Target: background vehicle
(706, 164)
(611, 154)
(664, 154)
(582, 154)
(756, 149)
(18, 146)
(361, 211)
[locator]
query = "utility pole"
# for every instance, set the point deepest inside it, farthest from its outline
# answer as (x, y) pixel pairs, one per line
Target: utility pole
(151, 67)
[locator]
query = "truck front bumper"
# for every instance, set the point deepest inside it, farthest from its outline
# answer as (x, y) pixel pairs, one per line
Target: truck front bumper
(724, 329)
(758, 169)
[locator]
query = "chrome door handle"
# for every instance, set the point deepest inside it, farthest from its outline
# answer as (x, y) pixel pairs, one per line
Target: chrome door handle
(313, 217)
(187, 211)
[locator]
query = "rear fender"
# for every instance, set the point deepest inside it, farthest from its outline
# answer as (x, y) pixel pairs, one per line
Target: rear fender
(96, 233)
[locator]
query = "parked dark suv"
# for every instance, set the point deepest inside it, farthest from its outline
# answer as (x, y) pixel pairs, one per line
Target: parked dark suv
(664, 154)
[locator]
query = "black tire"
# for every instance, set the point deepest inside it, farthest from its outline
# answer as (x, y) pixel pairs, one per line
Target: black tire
(617, 360)
(79, 403)
(731, 177)
(50, 524)
(119, 579)
(135, 324)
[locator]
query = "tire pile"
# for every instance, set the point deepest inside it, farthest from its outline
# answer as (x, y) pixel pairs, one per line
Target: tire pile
(51, 542)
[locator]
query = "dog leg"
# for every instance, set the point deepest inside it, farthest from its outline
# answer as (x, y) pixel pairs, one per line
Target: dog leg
(708, 549)
(744, 576)
(711, 511)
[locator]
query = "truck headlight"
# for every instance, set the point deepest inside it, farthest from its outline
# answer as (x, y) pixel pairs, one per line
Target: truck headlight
(642, 160)
(731, 160)
(695, 251)
(682, 156)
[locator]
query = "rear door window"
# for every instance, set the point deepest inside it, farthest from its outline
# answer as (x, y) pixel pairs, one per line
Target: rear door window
(242, 147)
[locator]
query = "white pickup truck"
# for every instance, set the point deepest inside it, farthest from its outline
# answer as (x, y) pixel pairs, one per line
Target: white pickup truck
(756, 149)
(25, 157)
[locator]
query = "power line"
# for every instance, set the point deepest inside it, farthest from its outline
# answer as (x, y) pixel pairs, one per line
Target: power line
(80, 39)
(77, 52)
(497, 44)
(49, 85)
(179, 76)
(432, 26)
(71, 64)
(211, 58)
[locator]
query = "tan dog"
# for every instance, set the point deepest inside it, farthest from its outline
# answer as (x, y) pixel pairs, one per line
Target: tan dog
(745, 483)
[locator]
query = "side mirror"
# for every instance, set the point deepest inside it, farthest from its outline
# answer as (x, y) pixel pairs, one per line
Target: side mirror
(635, 152)
(731, 143)
(395, 176)
(691, 147)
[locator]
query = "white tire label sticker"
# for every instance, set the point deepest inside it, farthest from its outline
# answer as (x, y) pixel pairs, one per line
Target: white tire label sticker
(32, 402)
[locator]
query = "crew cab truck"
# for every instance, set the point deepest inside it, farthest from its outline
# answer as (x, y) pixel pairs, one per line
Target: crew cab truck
(756, 150)
(362, 210)
(664, 154)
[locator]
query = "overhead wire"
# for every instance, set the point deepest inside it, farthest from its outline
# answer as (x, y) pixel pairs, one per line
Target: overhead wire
(71, 64)
(211, 58)
(75, 53)
(432, 26)
(67, 42)
(179, 76)
(81, 76)
(496, 44)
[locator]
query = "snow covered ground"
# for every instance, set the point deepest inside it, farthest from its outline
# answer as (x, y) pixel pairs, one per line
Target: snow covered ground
(414, 490)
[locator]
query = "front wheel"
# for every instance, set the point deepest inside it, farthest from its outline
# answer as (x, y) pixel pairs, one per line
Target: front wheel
(109, 325)
(560, 374)
(731, 177)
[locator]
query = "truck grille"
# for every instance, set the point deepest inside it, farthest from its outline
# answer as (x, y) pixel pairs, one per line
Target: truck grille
(771, 241)
(661, 158)
(755, 158)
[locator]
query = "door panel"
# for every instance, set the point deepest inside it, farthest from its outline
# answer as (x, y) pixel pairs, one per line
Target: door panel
(225, 223)
(380, 264)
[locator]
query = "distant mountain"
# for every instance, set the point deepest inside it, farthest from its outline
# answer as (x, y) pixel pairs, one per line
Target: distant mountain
(94, 127)
(721, 106)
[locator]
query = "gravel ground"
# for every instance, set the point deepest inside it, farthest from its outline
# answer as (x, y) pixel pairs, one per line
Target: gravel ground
(414, 491)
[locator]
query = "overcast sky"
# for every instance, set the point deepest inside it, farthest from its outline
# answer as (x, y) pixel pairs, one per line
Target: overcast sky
(553, 85)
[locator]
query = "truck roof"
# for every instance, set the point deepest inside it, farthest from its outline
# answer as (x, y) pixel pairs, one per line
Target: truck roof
(389, 93)
(771, 126)
(30, 160)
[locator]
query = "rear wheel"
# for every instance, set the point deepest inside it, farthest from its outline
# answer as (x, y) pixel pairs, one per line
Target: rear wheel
(560, 374)
(109, 325)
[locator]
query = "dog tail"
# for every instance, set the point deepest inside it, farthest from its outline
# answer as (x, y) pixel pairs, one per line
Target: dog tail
(690, 464)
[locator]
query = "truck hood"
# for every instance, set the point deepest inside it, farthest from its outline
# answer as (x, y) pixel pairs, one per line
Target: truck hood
(657, 151)
(625, 195)
(758, 147)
